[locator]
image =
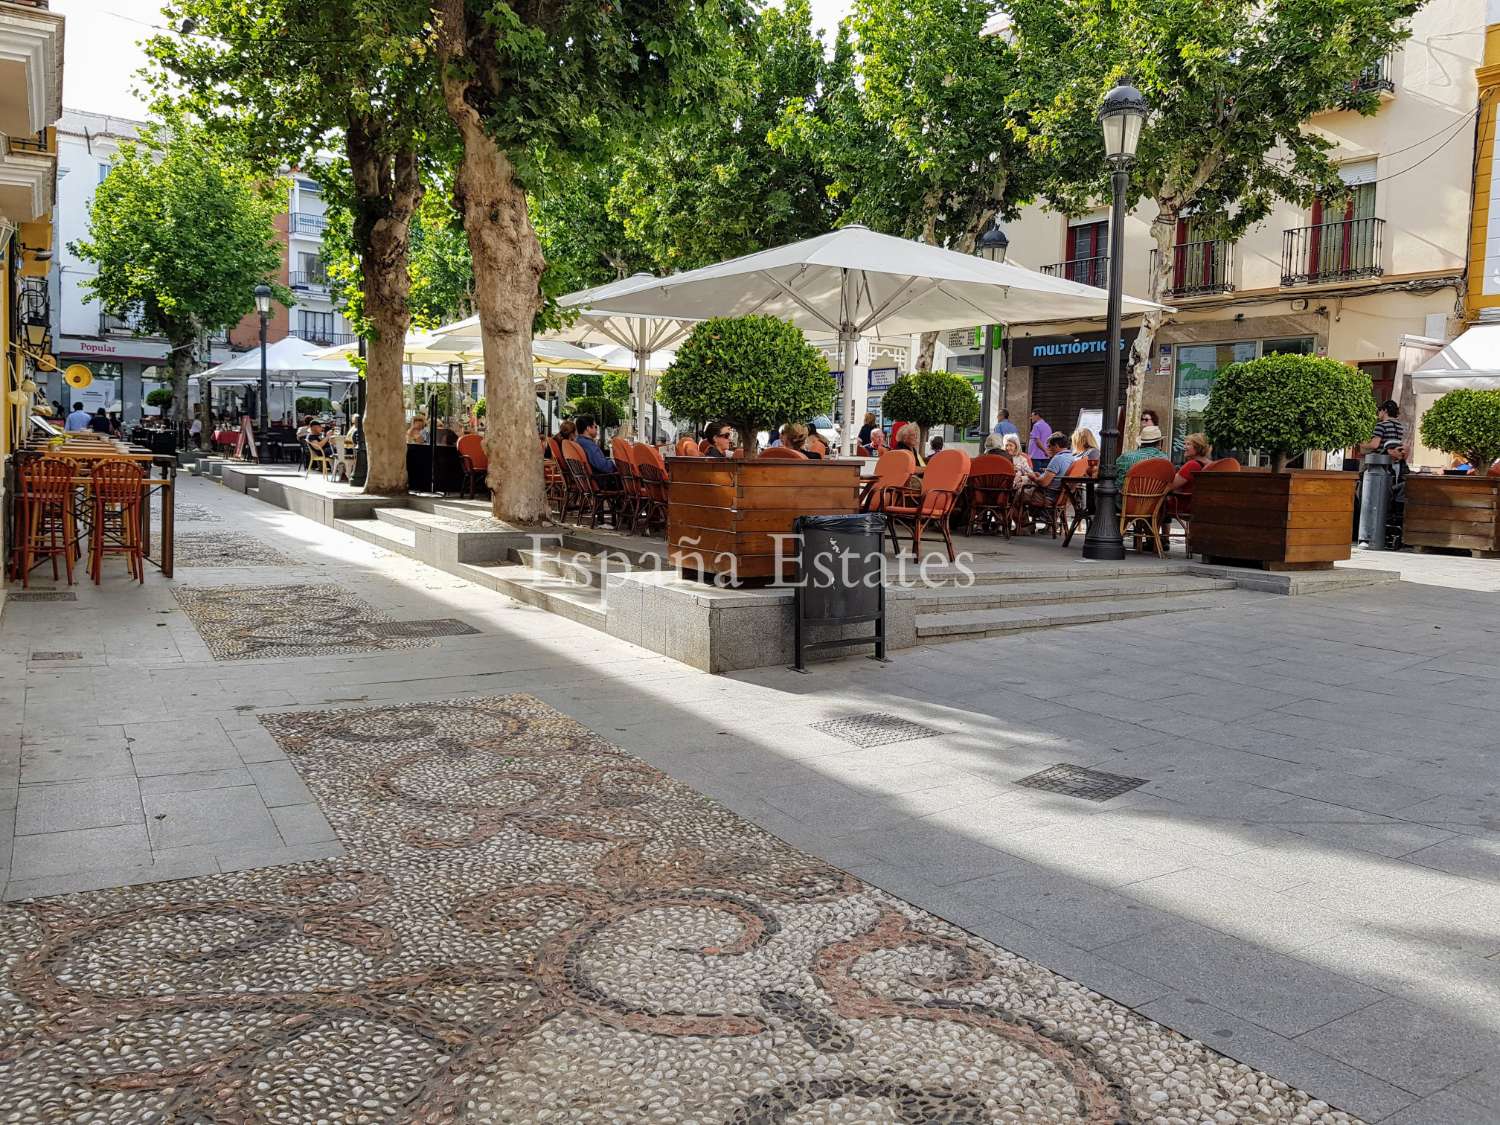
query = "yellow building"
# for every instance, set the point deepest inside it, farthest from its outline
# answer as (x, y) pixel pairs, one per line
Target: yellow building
(1377, 280)
(31, 61)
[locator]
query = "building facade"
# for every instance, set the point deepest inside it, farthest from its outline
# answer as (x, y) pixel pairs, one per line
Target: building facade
(1376, 279)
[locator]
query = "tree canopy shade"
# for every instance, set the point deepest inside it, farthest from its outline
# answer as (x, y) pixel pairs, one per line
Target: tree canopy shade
(1465, 422)
(1284, 405)
(931, 398)
(548, 79)
(289, 78)
(755, 372)
(1231, 84)
(181, 233)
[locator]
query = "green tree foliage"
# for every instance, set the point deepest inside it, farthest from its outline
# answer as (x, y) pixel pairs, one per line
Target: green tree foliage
(1465, 422)
(160, 397)
(756, 372)
(442, 273)
(181, 233)
(605, 411)
(1283, 405)
(585, 243)
(312, 404)
(931, 398)
(1231, 83)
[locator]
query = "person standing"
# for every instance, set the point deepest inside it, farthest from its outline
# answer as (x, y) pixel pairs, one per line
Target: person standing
(1005, 427)
(100, 422)
(1036, 445)
(1388, 428)
(79, 420)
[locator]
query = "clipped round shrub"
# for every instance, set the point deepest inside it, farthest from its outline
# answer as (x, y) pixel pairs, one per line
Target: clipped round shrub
(309, 404)
(1283, 405)
(755, 372)
(1465, 422)
(931, 398)
(605, 411)
(159, 397)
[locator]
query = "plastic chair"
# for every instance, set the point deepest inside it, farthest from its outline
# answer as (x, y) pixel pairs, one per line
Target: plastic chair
(893, 470)
(316, 459)
(1230, 465)
(117, 495)
(781, 453)
(992, 480)
(942, 484)
(622, 452)
(476, 463)
(45, 515)
(687, 447)
(1143, 495)
(652, 468)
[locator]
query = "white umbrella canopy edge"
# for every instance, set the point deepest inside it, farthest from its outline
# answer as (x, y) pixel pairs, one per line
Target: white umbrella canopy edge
(1470, 361)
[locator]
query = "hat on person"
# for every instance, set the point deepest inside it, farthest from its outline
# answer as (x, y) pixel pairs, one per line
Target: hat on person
(1150, 434)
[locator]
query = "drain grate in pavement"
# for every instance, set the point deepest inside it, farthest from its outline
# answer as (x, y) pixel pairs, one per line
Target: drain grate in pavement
(57, 656)
(430, 627)
(874, 730)
(43, 596)
(1080, 781)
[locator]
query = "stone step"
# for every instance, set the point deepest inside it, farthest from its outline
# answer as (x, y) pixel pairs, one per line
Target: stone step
(402, 540)
(410, 518)
(995, 571)
(567, 567)
(583, 604)
(639, 552)
(1057, 592)
(970, 624)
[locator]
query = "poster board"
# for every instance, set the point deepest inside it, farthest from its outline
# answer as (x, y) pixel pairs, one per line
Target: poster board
(244, 445)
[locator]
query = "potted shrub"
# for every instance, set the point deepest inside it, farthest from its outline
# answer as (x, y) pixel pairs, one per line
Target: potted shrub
(724, 517)
(161, 398)
(1458, 512)
(931, 398)
(1281, 405)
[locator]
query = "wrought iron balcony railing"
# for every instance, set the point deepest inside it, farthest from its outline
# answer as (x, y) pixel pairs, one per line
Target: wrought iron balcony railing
(308, 279)
(302, 222)
(1199, 268)
(1380, 75)
(1085, 271)
(326, 339)
(1347, 250)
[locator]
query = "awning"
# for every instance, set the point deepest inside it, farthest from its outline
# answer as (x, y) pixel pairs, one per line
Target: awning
(1470, 362)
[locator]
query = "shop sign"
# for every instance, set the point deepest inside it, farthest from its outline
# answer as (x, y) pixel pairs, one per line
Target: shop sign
(1080, 347)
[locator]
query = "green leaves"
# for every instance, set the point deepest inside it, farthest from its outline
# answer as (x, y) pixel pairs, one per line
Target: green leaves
(755, 371)
(931, 398)
(1466, 422)
(1285, 404)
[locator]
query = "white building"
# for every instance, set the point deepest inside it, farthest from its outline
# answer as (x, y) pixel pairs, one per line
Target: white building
(315, 318)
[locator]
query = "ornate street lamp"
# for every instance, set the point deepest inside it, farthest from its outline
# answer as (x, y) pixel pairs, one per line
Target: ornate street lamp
(1121, 116)
(992, 246)
(263, 307)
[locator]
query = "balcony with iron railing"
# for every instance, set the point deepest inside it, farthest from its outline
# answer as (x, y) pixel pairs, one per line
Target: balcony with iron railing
(1085, 271)
(1348, 250)
(306, 223)
(314, 280)
(41, 143)
(326, 339)
(1378, 76)
(1199, 269)
(121, 325)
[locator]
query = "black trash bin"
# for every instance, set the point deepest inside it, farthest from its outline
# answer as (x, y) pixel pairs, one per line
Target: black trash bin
(840, 580)
(1376, 480)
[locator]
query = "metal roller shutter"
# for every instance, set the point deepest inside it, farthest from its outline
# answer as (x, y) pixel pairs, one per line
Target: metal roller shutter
(1059, 393)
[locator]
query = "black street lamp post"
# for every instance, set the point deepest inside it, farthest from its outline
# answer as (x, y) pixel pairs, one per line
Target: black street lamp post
(263, 307)
(993, 245)
(1122, 114)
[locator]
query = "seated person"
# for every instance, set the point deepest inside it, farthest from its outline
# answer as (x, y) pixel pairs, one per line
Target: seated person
(317, 440)
(1040, 491)
(794, 436)
(718, 441)
(876, 444)
(588, 438)
(1010, 445)
(1150, 447)
(416, 433)
(936, 445)
(1085, 444)
(1180, 494)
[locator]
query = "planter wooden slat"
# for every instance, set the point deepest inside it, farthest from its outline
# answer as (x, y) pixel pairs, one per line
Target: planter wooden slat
(1301, 518)
(721, 514)
(1459, 513)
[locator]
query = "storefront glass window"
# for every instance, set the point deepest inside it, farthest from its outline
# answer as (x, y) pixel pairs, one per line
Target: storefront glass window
(1199, 364)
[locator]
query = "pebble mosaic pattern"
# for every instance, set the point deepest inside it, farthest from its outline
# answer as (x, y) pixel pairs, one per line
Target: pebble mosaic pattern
(529, 925)
(312, 619)
(225, 548)
(183, 512)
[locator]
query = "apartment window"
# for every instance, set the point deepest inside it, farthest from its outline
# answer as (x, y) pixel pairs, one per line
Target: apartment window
(317, 327)
(1343, 240)
(1088, 253)
(103, 172)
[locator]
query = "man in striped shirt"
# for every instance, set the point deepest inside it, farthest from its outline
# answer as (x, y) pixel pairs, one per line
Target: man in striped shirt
(1388, 430)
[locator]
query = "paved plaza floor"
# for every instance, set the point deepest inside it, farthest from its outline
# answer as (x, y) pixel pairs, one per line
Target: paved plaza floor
(283, 838)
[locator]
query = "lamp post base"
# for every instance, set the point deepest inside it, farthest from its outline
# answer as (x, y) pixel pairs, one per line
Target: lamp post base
(1103, 542)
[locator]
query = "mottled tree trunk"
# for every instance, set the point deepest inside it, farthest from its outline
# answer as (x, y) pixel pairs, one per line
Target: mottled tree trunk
(182, 368)
(507, 282)
(387, 190)
(1164, 234)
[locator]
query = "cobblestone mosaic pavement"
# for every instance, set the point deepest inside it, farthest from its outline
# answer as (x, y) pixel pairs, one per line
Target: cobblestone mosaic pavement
(225, 548)
(308, 619)
(530, 925)
(187, 512)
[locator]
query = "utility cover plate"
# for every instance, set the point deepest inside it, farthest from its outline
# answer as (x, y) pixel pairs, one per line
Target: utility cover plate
(1080, 781)
(874, 730)
(430, 627)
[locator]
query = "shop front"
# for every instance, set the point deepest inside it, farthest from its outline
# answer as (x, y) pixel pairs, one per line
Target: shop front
(1061, 377)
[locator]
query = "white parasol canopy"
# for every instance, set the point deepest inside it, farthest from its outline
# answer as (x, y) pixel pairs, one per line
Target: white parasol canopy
(287, 359)
(1472, 361)
(855, 282)
(459, 342)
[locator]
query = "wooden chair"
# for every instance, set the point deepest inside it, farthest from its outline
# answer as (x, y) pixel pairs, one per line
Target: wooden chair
(556, 478)
(992, 479)
(942, 483)
(117, 496)
(653, 476)
(1052, 509)
(1077, 496)
(893, 470)
(314, 459)
(475, 462)
(621, 450)
(45, 516)
(781, 453)
(687, 447)
(1143, 496)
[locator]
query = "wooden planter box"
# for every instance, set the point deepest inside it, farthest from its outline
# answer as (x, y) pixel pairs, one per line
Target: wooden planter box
(1457, 512)
(721, 515)
(1302, 519)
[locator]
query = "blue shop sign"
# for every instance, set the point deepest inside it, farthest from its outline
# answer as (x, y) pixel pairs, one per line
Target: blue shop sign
(1080, 347)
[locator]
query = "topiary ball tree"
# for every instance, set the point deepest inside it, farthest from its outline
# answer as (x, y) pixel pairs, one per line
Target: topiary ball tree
(1465, 422)
(312, 404)
(931, 398)
(605, 411)
(1284, 405)
(754, 372)
(161, 398)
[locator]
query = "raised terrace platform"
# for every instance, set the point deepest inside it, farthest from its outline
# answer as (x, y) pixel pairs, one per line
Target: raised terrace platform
(623, 585)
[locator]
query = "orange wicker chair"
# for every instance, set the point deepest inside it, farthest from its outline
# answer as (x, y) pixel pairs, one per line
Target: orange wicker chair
(942, 484)
(653, 474)
(117, 496)
(687, 447)
(599, 495)
(630, 479)
(780, 453)
(45, 516)
(992, 480)
(1230, 465)
(893, 470)
(1143, 496)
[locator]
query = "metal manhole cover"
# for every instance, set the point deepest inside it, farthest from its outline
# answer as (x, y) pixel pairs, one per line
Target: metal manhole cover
(432, 627)
(43, 596)
(57, 656)
(874, 730)
(1080, 781)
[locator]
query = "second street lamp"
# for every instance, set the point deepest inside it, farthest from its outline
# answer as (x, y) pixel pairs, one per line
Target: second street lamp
(1121, 116)
(993, 246)
(263, 307)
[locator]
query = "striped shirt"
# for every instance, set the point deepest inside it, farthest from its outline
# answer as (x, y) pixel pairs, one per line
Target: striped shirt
(1389, 430)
